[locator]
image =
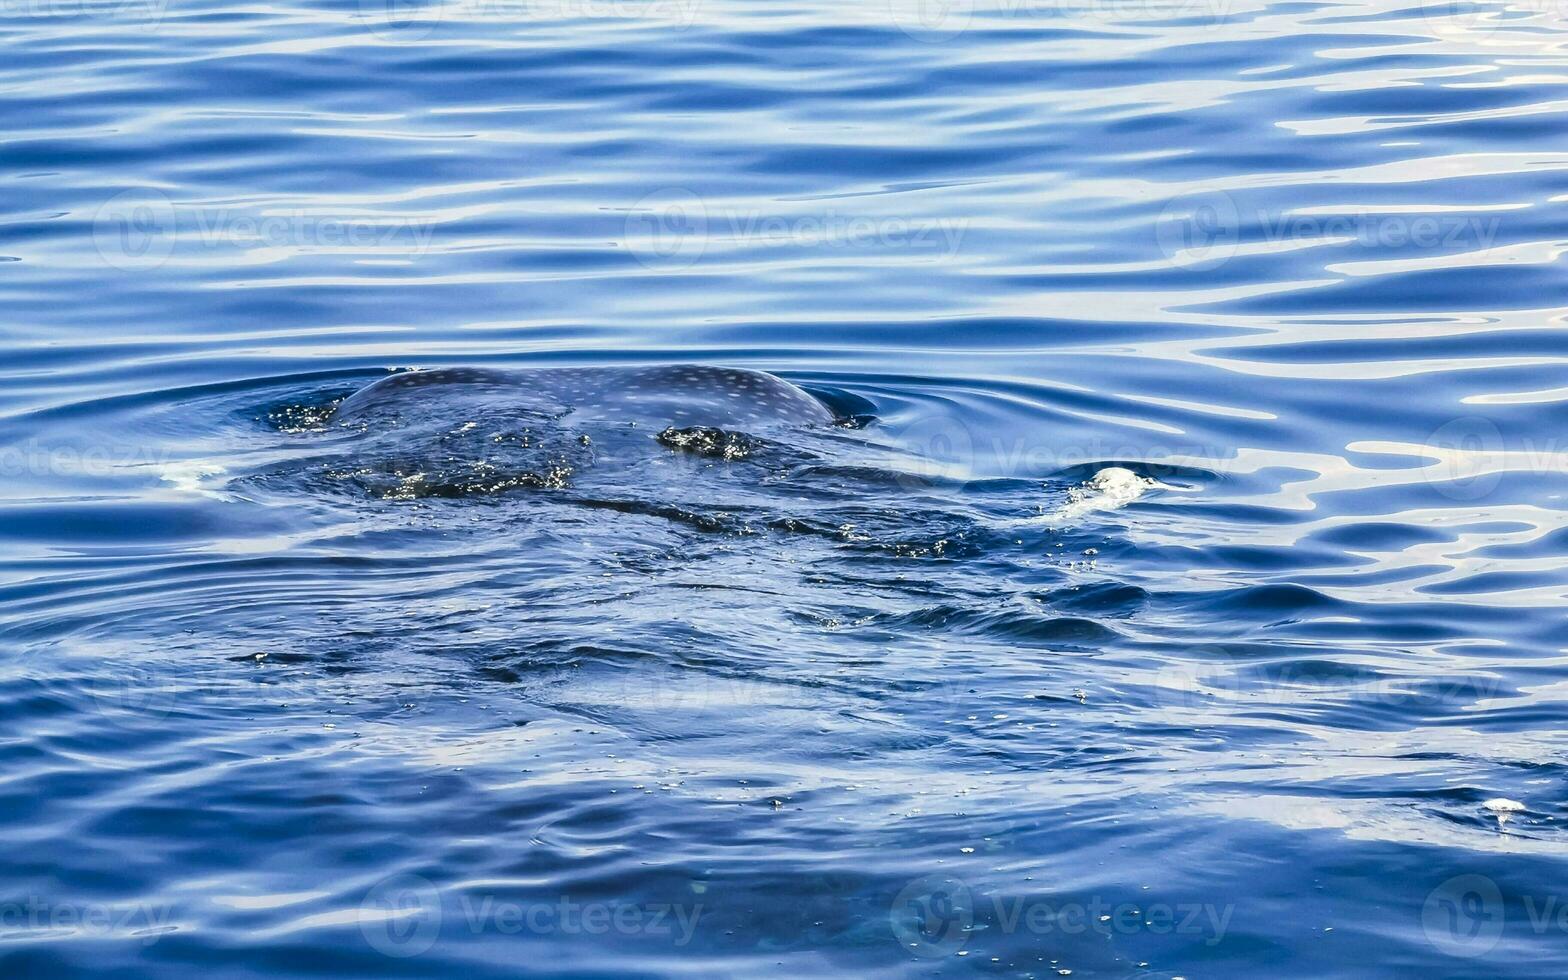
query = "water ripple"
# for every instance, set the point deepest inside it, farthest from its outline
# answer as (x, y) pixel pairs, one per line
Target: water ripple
(1188, 552)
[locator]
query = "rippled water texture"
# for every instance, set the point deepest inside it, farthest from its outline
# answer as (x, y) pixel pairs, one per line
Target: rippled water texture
(1177, 591)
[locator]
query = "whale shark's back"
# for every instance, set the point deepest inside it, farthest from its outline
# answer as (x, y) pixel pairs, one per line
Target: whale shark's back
(680, 395)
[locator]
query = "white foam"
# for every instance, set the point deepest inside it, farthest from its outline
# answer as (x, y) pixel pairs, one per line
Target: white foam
(1110, 489)
(192, 476)
(1503, 808)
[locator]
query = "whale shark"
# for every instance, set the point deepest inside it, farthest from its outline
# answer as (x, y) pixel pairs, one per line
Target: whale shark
(711, 447)
(671, 395)
(458, 432)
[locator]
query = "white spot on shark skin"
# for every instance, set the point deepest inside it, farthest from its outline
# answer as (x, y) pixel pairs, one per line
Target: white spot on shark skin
(191, 476)
(1503, 808)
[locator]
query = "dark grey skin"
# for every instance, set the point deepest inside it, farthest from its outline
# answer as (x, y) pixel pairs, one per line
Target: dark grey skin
(673, 395)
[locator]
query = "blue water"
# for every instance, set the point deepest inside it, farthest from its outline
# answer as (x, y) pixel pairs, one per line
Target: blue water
(1184, 578)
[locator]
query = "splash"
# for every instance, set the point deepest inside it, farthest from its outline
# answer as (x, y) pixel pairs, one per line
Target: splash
(1110, 489)
(1503, 809)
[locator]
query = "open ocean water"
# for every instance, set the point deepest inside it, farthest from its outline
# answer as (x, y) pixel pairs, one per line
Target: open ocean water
(1179, 594)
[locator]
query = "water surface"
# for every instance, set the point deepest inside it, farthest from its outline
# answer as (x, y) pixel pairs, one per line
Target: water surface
(925, 691)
